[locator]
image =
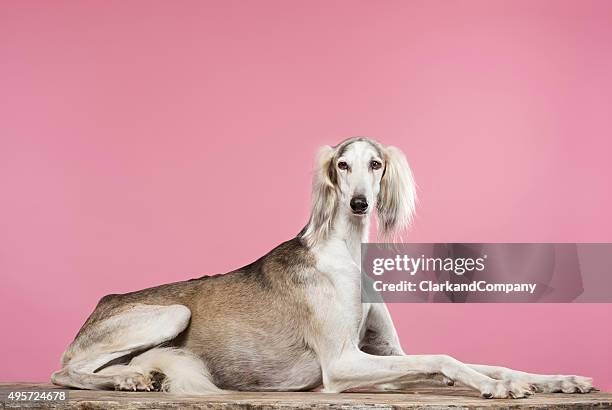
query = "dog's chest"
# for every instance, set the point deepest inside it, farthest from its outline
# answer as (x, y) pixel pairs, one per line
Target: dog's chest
(337, 295)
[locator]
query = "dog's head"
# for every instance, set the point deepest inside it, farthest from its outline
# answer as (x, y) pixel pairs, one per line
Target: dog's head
(357, 177)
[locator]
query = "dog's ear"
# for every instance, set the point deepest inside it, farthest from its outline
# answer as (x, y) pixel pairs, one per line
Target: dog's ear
(324, 197)
(397, 197)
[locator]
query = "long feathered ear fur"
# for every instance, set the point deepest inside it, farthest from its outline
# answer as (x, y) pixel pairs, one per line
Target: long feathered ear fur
(324, 198)
(397, 196)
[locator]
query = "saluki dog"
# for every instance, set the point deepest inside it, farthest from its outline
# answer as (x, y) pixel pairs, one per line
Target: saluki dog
(292, 320)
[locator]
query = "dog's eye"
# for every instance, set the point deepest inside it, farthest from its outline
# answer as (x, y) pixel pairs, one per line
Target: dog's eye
(343, 165)
(375, 164)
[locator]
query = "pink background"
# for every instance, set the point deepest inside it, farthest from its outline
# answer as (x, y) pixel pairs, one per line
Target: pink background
(148, 142)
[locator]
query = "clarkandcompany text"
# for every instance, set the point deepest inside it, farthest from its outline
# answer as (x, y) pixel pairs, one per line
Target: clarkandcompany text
(430, 286)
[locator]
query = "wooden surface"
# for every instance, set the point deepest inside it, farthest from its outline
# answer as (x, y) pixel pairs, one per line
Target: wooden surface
(419, 397)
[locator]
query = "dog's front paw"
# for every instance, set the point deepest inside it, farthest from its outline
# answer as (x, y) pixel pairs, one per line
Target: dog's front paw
(566, 384)
(580, 384)
(504, 389)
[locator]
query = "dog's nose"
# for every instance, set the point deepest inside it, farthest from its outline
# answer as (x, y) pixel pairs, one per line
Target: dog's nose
(359, 204)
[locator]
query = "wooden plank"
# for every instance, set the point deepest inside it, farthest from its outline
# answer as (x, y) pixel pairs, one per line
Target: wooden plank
(418, 397)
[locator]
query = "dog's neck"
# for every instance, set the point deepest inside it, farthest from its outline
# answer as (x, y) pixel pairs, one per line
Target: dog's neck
(353, 231)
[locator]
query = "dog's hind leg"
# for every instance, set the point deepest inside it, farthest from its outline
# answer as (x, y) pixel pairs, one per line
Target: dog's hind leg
(90, 361)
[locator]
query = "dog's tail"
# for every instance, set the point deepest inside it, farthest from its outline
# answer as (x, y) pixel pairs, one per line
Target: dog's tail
(177, 370)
